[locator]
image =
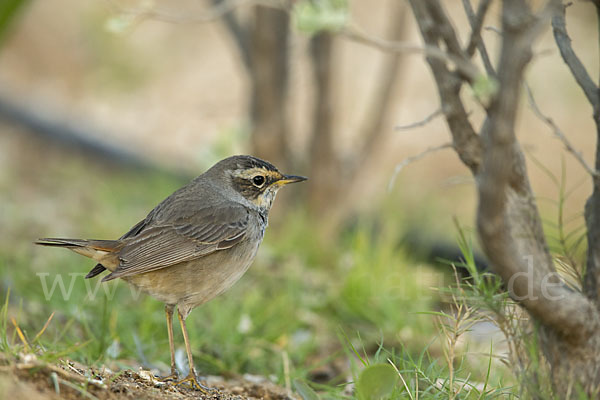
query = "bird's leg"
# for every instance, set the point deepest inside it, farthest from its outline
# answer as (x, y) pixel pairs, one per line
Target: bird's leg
(191, 378)
(169, 313)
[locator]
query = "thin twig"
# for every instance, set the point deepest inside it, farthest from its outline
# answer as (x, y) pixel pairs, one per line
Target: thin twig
(563, 41)
(445, 30)
(239, 34)
(559, 134)
(72, 376)
(62, 372)
(216, 12)
(410, 160)
(597, 5)
(476, 22)
(494, 29)
(466, 141)
(372, 129)
(352, 32)
(420, 123)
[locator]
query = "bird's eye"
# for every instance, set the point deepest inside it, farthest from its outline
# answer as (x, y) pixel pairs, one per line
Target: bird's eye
(258, 180)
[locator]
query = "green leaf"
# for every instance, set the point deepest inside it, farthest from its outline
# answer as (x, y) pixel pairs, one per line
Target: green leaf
(312, 16)
(304, 390)
(484, 88)
(376, 381)
(119, 24)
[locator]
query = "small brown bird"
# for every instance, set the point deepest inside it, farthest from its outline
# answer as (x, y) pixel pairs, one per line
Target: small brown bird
(195, 244)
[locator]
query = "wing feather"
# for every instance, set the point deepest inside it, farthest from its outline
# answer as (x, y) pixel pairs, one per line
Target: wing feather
(162, 244)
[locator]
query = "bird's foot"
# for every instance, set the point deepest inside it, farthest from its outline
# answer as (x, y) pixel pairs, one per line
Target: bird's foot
(191, 378)
(174, 376)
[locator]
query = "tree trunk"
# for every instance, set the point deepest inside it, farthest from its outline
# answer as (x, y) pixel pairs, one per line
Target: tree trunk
(324, 168)
(508, 221)
(269, 72)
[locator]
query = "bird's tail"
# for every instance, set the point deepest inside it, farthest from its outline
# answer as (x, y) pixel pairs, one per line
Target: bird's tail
(79, 245)
(99, 250)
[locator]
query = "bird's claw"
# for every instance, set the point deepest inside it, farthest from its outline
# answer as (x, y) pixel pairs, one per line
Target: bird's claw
(191, 378)
(174, 376)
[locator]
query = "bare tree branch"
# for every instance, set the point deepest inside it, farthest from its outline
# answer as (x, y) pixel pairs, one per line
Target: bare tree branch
(578, 71)
(269, 79)
(597, 4)
(420, 123)
(372, 130)
(239, 34)
(324, 166)
(466, 68)
(507, 219)
(559, 134)
(220, 9)
(409, 160)
(475, 41)
(465, 139)
(591, 282)
(448, 35)
(494, 29)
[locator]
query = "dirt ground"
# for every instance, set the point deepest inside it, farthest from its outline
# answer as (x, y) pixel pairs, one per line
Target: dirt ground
(32, 379)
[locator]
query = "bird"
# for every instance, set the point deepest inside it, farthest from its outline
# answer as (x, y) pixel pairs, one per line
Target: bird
(194, 245)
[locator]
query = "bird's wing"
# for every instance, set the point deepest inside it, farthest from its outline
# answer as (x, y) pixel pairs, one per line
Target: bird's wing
(162, 244)
(137, 228)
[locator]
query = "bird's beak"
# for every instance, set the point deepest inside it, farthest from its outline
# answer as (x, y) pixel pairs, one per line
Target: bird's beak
(290, 179)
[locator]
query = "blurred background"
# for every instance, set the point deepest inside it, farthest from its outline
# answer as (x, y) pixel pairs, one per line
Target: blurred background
(107, 106)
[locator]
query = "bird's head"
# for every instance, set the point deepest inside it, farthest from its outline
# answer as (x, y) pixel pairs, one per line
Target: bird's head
(256, 180)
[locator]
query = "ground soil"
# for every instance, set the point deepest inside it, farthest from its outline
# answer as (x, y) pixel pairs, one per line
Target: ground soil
(66, 380)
